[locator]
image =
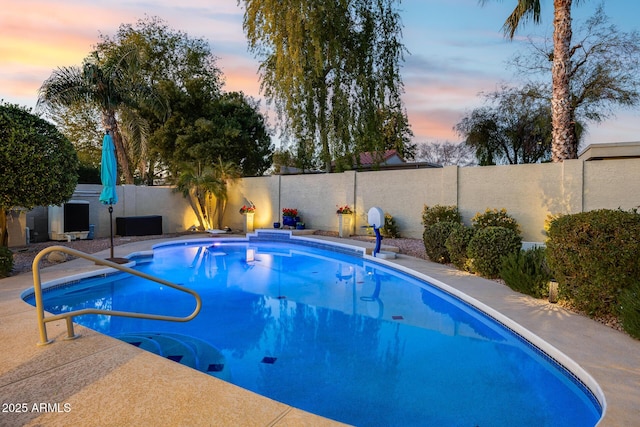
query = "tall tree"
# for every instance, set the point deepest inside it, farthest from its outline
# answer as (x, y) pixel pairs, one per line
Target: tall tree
(105, 83)
(603, 73)
(81, 125)
(329, 67)
(564, 138)
(168, 60)
(514, 128)
(38, 165)
(447, 153)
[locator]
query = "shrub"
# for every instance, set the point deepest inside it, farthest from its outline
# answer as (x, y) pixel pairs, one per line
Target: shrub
(595, 256)
(488, 246)
(526, 272)
(457, 244)
(6, 261)
(495, 218)
(630, 310)
(434, 241)
(439, 213)
(390, 228)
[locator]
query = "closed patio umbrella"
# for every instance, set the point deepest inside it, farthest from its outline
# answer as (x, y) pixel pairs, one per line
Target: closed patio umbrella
(108, 176)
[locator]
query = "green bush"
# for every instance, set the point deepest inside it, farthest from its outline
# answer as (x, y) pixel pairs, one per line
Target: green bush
(6, 261)
(495, 218)
(434, 239)
(439, 213)
(527, 272)
(630, 310)
(390, 228)
(595, 256)
(488, 246)
(457, 244)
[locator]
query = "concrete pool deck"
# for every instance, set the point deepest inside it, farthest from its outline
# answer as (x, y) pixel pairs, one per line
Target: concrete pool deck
(98, 380)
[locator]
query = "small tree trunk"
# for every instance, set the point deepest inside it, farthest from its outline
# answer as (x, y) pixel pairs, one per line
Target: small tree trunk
(110, 124)
(4, 229)
(220, 205)
(195, 205)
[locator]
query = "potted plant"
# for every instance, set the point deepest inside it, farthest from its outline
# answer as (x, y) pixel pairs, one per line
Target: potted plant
(248, 209)
(290, 217)
(299, 225)
(344, 210)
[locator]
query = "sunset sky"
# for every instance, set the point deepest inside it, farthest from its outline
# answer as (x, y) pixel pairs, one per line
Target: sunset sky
(456, 50)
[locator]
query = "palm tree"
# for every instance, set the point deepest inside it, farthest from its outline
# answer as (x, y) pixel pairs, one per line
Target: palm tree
(198, 182)
(564, 137)
(110, 85)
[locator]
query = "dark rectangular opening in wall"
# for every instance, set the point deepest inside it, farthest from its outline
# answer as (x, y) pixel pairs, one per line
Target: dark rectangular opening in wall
(76, 217)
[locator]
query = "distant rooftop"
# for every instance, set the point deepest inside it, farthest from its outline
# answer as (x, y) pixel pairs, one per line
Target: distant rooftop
(389, 157)
(611, 151)
(389, 160)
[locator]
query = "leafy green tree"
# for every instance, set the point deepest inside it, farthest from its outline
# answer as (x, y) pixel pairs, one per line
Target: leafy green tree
(174, 65)
(82, 127)
(38, 165)
(236, 132)
(564, 133)
(332, 71)
(514, 128)
(204, 123)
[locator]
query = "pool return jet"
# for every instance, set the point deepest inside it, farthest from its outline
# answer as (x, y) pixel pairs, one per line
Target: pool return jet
(375, 218)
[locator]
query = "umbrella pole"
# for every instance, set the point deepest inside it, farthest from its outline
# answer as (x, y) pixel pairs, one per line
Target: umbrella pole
(111, 227)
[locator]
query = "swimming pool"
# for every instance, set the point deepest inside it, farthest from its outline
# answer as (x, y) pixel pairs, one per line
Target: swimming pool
(336, 334)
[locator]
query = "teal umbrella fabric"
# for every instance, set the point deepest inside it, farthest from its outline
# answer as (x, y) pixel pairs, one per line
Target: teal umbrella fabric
(108, 172)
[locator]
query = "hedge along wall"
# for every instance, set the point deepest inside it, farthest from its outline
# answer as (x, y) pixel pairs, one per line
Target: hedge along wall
(528, 192)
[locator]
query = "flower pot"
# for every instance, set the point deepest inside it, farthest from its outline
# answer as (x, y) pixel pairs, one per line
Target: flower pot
(276, 225)
(300, 226)
(290, 221)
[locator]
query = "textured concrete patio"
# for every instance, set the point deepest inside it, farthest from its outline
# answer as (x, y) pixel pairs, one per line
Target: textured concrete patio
(98, 380)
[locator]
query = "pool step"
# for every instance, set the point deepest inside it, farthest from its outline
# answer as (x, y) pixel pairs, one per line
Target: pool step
(184, 349)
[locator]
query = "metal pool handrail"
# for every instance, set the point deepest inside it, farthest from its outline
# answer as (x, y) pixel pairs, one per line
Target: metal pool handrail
(37, 286)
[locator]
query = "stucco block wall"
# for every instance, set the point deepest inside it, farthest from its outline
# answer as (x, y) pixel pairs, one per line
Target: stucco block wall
(402, 194)
(527, 192)
(530, 193)
(612, 184)
(262, 192)
(177, 215)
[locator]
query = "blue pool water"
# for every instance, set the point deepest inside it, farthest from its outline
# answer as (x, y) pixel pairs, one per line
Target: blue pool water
(337, 335)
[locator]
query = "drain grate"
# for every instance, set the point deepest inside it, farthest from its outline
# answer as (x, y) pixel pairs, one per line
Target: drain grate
(215, 367)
